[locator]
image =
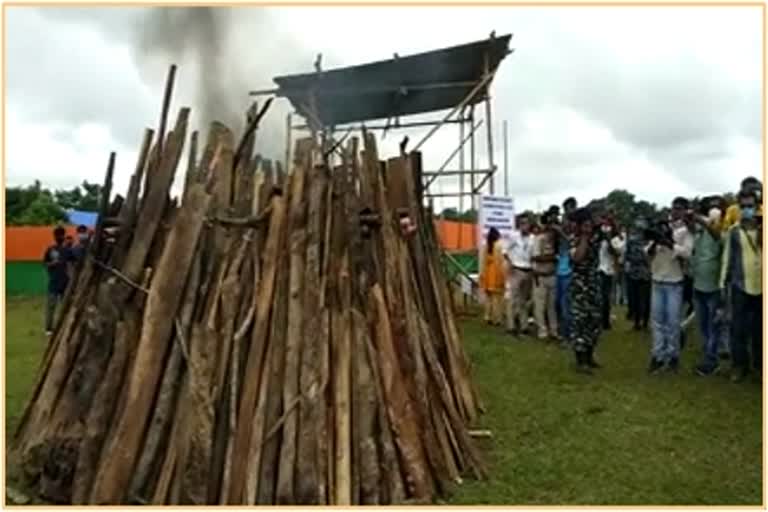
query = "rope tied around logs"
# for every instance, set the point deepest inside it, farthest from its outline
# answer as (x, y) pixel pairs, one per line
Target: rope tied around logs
(127, 280)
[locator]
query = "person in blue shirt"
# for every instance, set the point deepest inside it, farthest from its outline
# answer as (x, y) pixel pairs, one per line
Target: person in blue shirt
(56, 259)
(564, 272)
(83, 239)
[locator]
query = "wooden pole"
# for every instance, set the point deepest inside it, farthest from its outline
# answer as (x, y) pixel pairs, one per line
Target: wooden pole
(506, 161)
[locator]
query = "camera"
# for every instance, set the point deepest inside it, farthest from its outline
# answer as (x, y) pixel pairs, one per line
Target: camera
(660, 233)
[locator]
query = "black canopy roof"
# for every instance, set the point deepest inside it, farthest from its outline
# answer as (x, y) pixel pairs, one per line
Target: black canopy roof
(401, 86)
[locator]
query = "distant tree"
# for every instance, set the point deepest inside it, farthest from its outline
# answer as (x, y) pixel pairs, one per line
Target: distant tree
(621, 203)
(32, 206)
(469, 216)
(84, 197)
(450, 214)
(645, 210)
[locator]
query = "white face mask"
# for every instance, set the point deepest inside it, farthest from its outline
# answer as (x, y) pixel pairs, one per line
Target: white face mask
(714, 215)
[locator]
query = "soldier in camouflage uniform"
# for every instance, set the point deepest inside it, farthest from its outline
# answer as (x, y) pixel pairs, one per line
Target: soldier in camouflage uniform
(585, 292)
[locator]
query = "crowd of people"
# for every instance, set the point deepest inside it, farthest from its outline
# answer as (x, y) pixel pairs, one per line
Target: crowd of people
(61, 260)
(558, 277)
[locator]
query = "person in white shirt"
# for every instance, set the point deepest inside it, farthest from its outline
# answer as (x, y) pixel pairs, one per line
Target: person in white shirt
(671, 248)
(517, 255)
(611, 248)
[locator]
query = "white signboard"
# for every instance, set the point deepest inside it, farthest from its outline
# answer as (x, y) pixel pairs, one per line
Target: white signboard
(495, 212)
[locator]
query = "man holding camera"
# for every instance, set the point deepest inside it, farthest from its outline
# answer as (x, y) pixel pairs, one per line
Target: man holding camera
(611, 249)
(544, 257)
(705, 269)
(669, 250)
(742, 275)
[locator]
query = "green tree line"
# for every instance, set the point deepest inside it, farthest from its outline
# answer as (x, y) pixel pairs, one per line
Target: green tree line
(35, 205)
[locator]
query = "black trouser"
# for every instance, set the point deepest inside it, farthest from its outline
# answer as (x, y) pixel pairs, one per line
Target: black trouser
(640, 302)
(747, 330)
(688, 297)
(630, 298)
(606, 287)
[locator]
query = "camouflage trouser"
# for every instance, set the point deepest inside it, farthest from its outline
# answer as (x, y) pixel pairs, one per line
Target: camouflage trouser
(586, 312)
(585, 328)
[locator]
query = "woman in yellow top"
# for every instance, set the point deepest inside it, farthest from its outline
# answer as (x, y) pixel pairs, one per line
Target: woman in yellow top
(492, 279)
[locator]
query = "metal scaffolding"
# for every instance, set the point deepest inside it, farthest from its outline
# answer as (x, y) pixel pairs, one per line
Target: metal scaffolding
(455, 79)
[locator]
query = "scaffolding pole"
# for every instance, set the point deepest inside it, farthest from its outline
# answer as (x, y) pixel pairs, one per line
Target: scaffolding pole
(506, 161)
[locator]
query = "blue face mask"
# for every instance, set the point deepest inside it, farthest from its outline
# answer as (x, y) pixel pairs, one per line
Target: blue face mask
(748, 213)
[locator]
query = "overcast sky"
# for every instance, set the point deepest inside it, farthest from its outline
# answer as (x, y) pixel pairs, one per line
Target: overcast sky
(659, 101)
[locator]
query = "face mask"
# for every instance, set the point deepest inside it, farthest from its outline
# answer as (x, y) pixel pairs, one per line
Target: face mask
(714, 215)
(606, 229)
(748, 213)
(82, 237)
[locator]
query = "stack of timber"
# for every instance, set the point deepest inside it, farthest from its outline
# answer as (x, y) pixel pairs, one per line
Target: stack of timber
(269, 338)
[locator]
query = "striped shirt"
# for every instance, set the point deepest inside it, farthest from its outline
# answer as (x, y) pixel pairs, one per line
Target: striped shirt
(742, 261)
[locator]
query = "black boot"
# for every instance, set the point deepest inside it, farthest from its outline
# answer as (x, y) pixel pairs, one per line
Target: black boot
(582, 363)
(590, 358)
(654, 366)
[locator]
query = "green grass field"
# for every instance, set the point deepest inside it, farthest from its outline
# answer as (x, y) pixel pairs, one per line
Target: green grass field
(559, 438)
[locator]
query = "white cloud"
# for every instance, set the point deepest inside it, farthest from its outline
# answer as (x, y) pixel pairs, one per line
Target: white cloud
(660, 101)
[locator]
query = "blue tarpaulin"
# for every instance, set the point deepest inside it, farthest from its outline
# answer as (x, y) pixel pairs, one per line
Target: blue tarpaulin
(77, 217)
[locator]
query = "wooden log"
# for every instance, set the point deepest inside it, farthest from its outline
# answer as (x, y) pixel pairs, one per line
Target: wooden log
(456, 421)
(366, 413)
(64, 432)
(162, 304)
(166, 103)
(308, 477)
(192, 175)
(235, 312)
(414, 338)
(106, 190)
(255, 361)
(285, 491)
(178, 415)
(472, 404)
(150, 461)
(419, 484)
(253, 465)
(392, 488)
(342, 335)
(130, 209)
(278, 338)
(52, 375)
(191, 482)
(155, 200)
(100, 416)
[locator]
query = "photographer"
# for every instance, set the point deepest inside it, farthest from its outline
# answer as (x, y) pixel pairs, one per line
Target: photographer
(544, 257)
(670, 247)
(638, 276)
(611, 249)
(705, 269)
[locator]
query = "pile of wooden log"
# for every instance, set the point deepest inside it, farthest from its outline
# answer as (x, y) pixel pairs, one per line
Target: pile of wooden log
(270, 338)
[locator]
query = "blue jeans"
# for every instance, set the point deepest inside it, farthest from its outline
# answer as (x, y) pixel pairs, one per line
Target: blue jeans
(666, 315)
(706, 307)
(563, 301)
